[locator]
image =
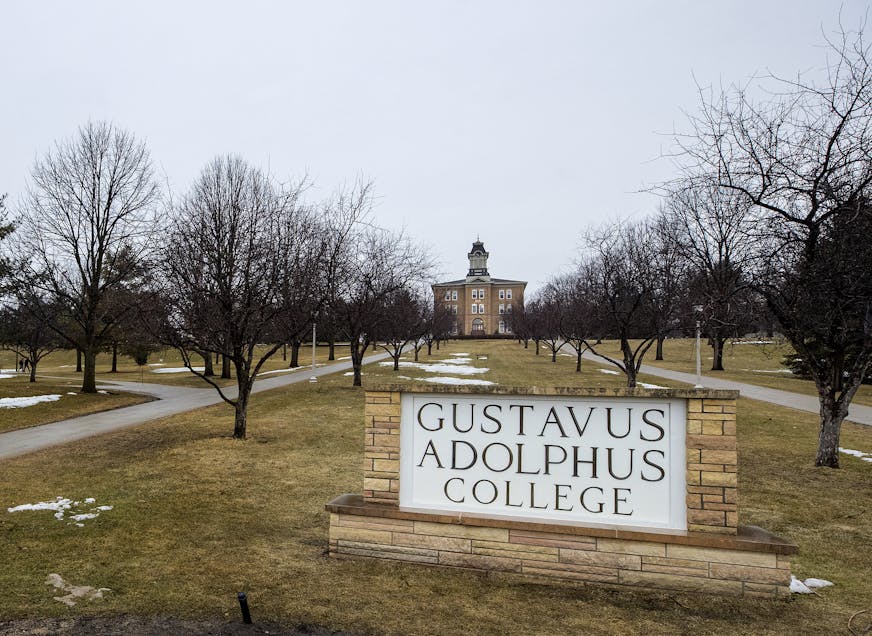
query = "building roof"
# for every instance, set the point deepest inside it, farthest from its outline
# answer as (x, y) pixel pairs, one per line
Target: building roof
(464, 281)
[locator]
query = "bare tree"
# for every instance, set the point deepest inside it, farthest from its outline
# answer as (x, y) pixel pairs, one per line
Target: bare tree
(802, 157)
(25, 329)
(405, 322)
(576, 313)
(88, 217)
(620, 279)
(229, 266)
(708, 227)
(377, 264)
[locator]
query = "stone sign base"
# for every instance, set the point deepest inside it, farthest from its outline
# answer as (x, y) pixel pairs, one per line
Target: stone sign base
(752, 562)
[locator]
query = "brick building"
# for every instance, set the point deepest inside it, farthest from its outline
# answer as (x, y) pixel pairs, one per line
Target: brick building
(482, 305)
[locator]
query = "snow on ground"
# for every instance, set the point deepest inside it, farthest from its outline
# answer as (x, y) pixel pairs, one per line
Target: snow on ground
(352, 373)
(808, 586)
(74, 592)
(645, 385)
(282, 370)
(788, 371)
(21, 402)
(177, 370)
(461, 353)
(103, 392)
(450, 380)
(609, 372)
(3, 376)
(443, 366)
(76, 511)
(71, 393)
(403, 377)
(156, 364)
(866, 457)
(753, 342)
(344, 358)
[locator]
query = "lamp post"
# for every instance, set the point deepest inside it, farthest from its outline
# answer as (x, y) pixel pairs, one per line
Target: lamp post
(313, 378)
(698, 310)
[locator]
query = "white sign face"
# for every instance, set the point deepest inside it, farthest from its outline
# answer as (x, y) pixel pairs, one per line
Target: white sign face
(586, 461)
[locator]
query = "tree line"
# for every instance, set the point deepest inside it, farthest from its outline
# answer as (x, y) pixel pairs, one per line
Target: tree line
(764, 227)
(234, 269)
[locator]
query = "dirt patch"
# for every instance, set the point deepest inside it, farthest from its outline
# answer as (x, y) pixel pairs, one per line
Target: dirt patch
(150, 626)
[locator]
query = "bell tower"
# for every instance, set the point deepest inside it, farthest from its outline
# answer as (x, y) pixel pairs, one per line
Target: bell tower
(478, 261)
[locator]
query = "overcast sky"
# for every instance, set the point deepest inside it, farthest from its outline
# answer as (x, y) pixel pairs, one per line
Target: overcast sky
(519, 122)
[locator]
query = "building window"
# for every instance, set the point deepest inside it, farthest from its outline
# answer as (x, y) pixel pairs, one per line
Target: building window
(509, 308)
(475, 294)
(453, 294)
(478, 326)
(447, 295)
(502, 294)
(454, 309)
(509, 294)
(481, 309)
(502, 310)
(502, 327)
(481, 294)
(474, 308)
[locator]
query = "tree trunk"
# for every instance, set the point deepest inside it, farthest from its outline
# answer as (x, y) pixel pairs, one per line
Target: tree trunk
(331, 349)
(658, 353)
(578, 353)
(356, 358)
(553, 354)
(537, 347)
(437, 345)
(718, 353)
(833, 412)
(417, 349)
(114, 368)
(33, 370)
(78, 360)
(429, 349)
(629, 366)
(89, 377)
(225, 367)
(208, 369)
(295, 354)
(284, 353)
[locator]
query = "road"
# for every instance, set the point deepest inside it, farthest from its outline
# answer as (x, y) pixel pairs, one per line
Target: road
(170, 401)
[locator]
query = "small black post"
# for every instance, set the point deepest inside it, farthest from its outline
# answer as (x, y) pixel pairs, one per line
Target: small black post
(243, 604)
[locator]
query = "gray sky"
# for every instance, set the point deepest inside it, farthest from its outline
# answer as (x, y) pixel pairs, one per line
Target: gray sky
(521, 123)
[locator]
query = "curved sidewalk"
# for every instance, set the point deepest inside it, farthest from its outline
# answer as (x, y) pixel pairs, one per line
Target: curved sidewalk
(857, 413)
(170, 401)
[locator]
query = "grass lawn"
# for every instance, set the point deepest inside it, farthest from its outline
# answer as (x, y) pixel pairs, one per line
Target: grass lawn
(743, 362)
(198, 517)
(71, 402)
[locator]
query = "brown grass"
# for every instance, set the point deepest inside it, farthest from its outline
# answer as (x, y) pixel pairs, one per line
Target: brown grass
(199, 517)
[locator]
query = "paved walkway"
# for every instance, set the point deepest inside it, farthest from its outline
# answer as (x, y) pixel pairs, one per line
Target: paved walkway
(170, 401)
(857, 412)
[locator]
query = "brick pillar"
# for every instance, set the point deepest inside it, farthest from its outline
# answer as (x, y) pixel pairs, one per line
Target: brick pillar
(381, 448)
(711, 466)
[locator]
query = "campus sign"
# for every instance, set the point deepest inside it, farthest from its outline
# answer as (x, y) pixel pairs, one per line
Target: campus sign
(596, 461)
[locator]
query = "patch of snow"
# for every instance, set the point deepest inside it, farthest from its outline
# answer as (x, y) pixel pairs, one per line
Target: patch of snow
(74, 592)
(798, 587)
(71, 393)
(788, 371)
(866, 457)
(155, 364)
(450, 380)
(282, 371)
(645, 385)
(344, 358)
(178, 370)
(816, 584)
(753, 342)
(403, 377)
(610, 372)
(103, 392)
(22, 402)
(461, 353)
(347, 373)
(3, 376)
(440, 367)
(62, 506)
(65, 366)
